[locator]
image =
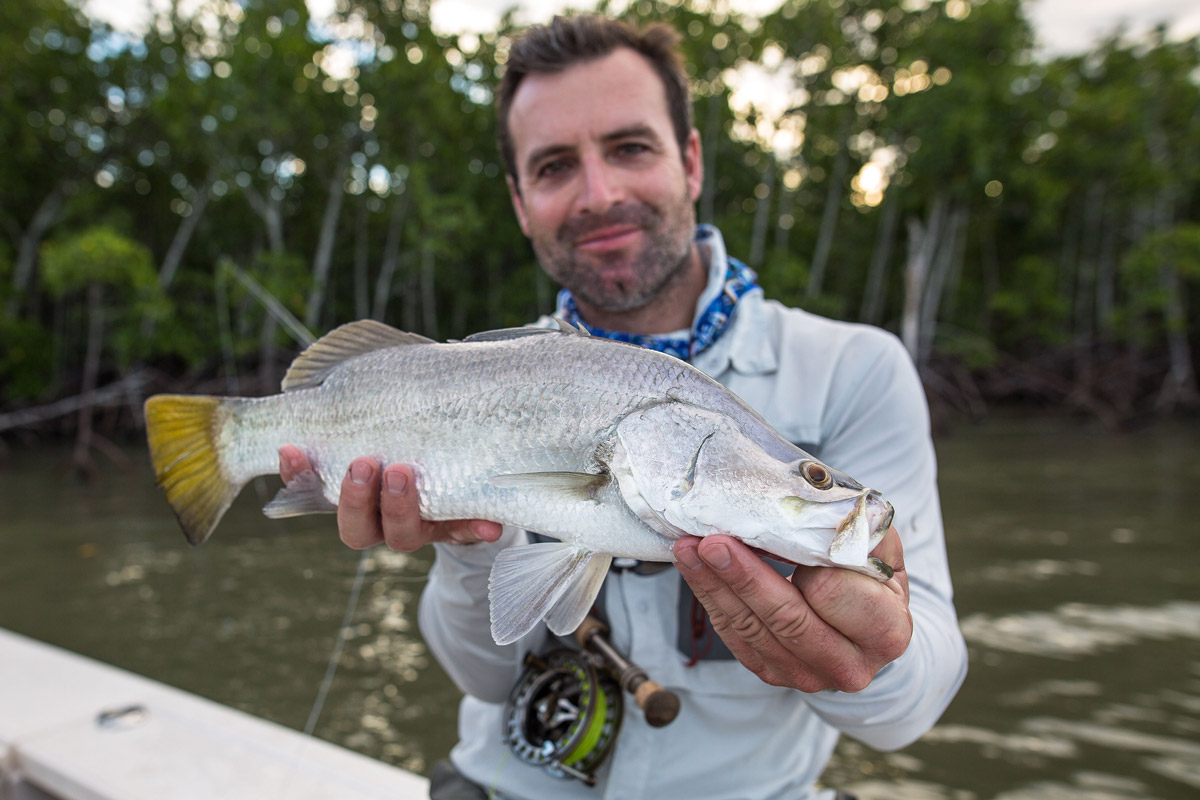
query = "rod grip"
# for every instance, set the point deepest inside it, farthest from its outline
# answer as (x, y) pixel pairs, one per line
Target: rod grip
(660, 706)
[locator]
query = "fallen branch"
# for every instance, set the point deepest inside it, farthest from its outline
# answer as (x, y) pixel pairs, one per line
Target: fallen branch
(112, 394)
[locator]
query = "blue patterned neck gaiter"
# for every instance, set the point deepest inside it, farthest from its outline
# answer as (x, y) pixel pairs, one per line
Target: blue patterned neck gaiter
(712, 322)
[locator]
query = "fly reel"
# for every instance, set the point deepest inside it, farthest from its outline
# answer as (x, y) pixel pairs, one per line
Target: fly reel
(564, 714)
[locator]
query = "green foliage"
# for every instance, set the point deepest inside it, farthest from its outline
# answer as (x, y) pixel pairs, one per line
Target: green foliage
(1160, 264)
(239, 135)
(26, 364)
(1030, 308)
(98, 255)
(1177, 248)
(974, 350)
(187, 329)
(6, 272)
(786, 274)
(123, 270)
(284, 275)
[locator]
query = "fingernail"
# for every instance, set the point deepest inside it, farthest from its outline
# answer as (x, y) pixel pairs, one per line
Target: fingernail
(687, 556)
(396, 482)
(360, 473)
(717, 556)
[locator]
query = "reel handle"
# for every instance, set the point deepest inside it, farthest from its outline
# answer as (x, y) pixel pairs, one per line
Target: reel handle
(660, 705)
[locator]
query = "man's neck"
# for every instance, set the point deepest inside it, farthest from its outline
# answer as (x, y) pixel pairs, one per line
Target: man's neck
(672, 309)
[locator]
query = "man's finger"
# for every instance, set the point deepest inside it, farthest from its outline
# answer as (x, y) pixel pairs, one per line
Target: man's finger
(761, 617)
(728, 613)
(399, 510)
(358, 505)
(292, 462)
(468, 531)
(872, 614)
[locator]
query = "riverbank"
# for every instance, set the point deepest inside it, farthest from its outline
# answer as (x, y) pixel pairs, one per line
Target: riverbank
(1120, 388)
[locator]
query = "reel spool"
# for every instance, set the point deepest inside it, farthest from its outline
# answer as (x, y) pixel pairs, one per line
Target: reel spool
(564, 714)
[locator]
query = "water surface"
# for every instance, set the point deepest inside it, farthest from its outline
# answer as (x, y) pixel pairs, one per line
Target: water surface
(1072, 552)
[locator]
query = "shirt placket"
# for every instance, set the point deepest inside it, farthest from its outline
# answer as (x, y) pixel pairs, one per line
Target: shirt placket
(638, 634)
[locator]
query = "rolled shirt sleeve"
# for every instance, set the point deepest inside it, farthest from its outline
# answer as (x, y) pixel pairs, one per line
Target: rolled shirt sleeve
(875, 427)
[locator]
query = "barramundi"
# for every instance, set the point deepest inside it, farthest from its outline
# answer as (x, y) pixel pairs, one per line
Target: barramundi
(612, 449)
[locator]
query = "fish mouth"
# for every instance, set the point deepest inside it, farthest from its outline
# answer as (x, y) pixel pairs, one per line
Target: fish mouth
(870, 517)
(885, 522)
(861, 532)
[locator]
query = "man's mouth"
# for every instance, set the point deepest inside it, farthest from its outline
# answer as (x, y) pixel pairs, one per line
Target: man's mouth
(616, 229)
(608, 238)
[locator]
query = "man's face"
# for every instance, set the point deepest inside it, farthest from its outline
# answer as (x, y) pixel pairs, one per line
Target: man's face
(604, 194)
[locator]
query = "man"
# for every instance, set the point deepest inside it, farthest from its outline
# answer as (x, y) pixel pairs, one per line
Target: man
(604, 168)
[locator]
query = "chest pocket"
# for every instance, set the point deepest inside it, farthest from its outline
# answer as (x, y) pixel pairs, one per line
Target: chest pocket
(698, 640)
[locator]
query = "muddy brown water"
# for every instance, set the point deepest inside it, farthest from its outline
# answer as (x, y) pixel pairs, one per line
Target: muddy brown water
(1073, 552)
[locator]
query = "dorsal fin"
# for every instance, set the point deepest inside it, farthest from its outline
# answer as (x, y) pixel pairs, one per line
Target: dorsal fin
(504, 334)
(341, 344)
(567, 327)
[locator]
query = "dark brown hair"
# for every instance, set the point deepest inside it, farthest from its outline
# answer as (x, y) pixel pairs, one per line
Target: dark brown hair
(566, 41)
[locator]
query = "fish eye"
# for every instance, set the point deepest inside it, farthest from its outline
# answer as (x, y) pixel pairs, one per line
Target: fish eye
(816, 474)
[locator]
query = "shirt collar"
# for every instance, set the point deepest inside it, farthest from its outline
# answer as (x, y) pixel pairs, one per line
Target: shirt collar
(747, 346)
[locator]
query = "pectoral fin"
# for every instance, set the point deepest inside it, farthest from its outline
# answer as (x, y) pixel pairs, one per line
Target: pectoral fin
(570, 486)
(549, 580)
(304, 494)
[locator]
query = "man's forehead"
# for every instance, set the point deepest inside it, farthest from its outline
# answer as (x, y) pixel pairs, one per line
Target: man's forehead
(592, 99)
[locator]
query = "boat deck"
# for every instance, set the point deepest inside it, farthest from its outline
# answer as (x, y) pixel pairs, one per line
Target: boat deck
(72, 728)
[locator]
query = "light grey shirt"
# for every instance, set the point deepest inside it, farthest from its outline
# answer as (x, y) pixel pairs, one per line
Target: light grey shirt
(848, 393)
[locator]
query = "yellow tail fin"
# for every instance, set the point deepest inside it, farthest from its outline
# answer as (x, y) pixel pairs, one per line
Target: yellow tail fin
(183, 431)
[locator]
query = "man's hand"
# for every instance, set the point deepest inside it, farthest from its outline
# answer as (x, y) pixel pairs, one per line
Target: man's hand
(368, 515)
(826, 628)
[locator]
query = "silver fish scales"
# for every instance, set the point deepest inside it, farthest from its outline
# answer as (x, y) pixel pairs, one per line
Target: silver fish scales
(612, 449)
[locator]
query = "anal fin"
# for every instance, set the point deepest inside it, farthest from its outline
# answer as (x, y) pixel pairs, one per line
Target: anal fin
(304, 494)
(549, 580)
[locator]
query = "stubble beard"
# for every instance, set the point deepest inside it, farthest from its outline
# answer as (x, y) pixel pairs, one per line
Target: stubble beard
(663, 259)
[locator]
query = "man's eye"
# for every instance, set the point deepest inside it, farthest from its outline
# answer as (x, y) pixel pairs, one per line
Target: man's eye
(632, 148)
(552, 168)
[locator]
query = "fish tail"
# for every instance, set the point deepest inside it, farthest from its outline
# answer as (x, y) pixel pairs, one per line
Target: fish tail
(184, 432)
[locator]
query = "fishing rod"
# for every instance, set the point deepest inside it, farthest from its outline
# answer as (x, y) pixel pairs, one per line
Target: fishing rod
(659, 705)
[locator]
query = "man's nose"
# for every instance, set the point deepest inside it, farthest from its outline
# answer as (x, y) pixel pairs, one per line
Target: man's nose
(601, 189)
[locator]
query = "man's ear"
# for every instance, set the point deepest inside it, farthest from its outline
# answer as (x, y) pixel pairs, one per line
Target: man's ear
(514, 194)
(693, 165)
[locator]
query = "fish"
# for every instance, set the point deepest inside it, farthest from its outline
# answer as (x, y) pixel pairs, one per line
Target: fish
(612, 450)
